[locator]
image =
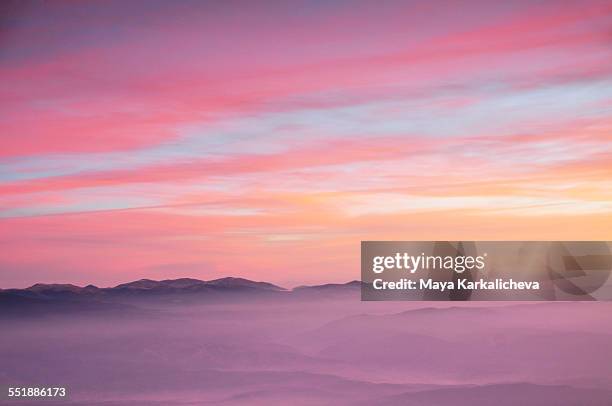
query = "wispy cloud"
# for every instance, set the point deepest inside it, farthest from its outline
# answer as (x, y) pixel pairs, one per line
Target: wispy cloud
(186, 133)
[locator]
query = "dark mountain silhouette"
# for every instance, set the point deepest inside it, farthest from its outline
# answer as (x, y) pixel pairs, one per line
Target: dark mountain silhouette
(330, 286)
(188, 284)
(51, 297)
(328, 291)
(226, 284)
(56, 287)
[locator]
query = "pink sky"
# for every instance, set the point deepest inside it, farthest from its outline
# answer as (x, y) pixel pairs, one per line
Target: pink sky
(267, 139)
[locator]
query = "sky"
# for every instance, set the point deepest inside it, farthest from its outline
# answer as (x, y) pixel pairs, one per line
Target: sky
(266, 139)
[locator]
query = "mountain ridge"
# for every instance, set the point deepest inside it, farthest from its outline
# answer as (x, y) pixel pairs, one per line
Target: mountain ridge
(146, 283)
(179, 285)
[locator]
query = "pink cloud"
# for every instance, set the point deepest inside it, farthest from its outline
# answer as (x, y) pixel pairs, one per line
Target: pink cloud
(127, 81)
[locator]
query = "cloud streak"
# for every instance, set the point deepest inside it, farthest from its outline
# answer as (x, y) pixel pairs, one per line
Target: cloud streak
(132, 137)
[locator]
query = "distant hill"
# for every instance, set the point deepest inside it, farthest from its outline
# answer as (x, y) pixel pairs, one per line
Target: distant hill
(227, 284)
(329, 290)
(330, 286)
(182, 290)
(189, 284)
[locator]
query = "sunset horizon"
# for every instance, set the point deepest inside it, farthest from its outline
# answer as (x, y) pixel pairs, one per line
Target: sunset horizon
(308, 203)
(204, 140)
